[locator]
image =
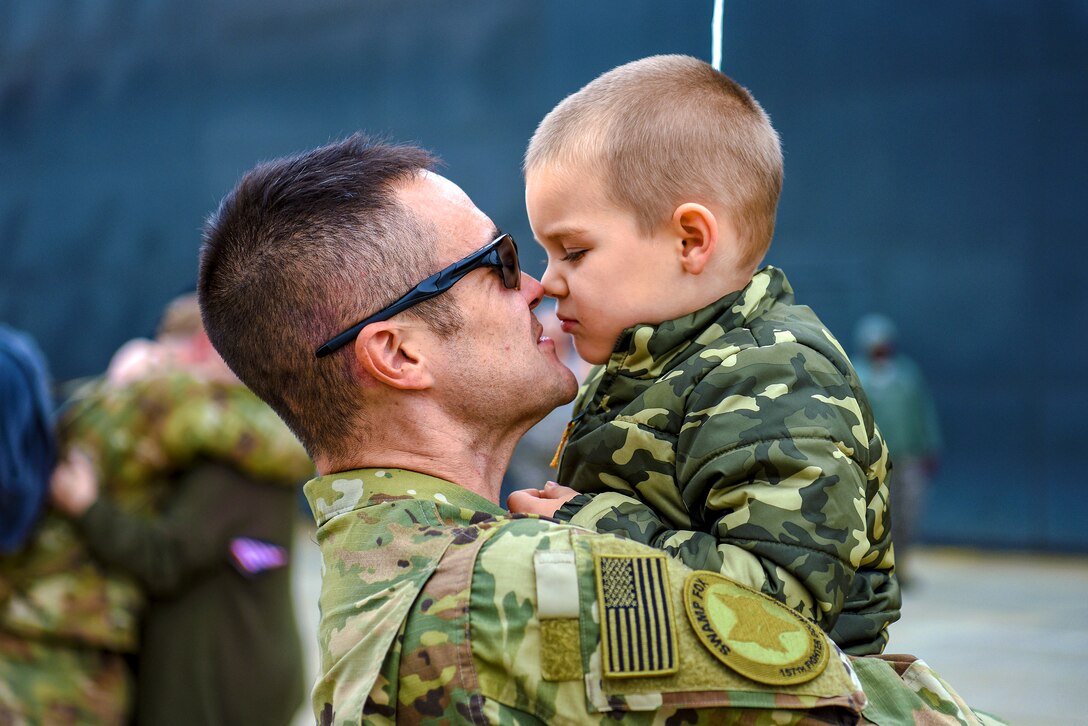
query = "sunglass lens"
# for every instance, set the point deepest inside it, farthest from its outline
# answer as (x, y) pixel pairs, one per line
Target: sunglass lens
(511, 268)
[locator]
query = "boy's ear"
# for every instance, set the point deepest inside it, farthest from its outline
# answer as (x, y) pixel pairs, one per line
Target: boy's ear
(393, 355)
(697, 228)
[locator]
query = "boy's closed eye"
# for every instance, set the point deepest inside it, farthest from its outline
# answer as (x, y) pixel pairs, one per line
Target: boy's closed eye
(573, 255)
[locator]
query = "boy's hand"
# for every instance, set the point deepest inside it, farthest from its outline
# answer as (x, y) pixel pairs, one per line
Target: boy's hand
(545, 502)
(74, 486)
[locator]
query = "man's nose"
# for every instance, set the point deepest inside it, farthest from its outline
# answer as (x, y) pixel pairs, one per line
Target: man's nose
(531, 290)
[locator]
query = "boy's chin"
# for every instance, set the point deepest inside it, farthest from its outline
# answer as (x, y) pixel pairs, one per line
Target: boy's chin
(595, 352)
(590, 355)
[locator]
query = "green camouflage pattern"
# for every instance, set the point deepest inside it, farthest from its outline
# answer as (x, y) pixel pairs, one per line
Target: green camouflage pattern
(738, 439)
(44, 683)
(432, 612)
(925, 696)
(139, 435)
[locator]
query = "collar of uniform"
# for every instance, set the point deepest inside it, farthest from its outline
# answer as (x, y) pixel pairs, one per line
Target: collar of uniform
(335, 494)
(645, 351)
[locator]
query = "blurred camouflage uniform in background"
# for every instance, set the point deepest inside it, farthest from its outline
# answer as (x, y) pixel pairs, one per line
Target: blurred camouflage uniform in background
(65, 619)
(738, 440)
(438, 606)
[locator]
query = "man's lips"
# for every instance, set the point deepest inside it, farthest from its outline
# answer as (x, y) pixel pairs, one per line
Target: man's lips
(538, 332)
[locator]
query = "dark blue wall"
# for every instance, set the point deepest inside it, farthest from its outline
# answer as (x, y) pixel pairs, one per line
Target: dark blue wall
(935, 157)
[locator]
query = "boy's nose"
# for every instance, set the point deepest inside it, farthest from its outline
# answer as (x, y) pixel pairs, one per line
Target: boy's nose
(553, 283)
(531, 290)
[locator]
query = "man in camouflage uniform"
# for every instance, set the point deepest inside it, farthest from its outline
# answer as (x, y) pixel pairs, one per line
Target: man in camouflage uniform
(68, 619)
(436, 605)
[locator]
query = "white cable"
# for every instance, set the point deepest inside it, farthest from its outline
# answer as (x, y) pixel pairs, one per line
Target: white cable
(716, 36)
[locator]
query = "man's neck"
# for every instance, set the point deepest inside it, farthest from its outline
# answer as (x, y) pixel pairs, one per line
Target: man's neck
(442, 448)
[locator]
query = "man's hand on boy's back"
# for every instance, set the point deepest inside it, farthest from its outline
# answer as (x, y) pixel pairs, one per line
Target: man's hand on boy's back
(544, 502)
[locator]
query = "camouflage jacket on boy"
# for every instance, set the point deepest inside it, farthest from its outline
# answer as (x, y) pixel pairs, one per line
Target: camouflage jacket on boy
(138, 434)
(738, 440)
(439, 607)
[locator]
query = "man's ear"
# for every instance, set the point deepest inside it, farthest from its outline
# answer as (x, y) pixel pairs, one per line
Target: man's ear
(697, 228)
(393, 354)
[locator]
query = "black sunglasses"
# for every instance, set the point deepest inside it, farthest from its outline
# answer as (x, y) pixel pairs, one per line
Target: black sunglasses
(502, 253)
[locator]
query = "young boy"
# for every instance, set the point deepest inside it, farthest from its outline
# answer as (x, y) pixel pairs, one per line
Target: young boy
(723, 422)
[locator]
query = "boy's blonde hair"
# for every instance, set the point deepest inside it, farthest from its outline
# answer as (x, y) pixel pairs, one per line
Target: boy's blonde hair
(666, 130)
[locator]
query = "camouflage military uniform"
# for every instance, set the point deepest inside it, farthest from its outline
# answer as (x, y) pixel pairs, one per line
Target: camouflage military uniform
(438, 606)
(58, 604)
(738, 439)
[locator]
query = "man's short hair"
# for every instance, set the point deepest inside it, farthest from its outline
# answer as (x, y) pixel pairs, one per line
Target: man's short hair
(666, 130)
(302, 248)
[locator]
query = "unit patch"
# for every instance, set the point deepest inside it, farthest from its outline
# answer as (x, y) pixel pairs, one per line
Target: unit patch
(753, 634)
(637, 633)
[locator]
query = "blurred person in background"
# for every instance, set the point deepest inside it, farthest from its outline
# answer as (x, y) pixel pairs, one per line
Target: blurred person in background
(51, 671)
(905, 412)
(177, 486)
(28, 446)
(532, 463)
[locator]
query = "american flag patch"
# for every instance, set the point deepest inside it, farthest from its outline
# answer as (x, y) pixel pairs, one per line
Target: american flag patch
(636, 618)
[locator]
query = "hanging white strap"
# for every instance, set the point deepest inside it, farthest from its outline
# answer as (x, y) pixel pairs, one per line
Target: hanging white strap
(716, 35)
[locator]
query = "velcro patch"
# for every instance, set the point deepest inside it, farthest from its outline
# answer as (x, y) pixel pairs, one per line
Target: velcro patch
(753, 634)
(556, 584)
(560, 650)
(637, 632)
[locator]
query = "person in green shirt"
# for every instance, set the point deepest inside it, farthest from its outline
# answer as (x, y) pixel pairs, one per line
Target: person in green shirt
(907, 414)
(387, 320)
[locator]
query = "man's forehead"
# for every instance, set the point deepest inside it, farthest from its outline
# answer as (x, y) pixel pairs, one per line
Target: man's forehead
(429, 187)
(445, 205)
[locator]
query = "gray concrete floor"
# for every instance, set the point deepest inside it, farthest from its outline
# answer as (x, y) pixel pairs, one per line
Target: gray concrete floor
(1008, 631)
